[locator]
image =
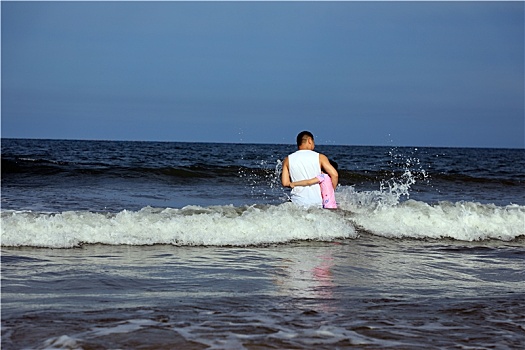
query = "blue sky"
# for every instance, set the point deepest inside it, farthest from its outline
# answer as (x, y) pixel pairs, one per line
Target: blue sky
(354, 73)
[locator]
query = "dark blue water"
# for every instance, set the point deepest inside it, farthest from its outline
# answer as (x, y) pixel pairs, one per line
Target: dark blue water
(70, 175)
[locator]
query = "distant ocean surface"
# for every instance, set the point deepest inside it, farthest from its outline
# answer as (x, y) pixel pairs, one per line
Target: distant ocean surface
(166, 245)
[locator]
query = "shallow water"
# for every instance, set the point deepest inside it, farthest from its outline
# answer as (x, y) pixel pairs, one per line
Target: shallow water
(367, 292)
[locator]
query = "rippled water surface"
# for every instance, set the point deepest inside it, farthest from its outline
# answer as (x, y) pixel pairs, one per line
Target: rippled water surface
(370, 292)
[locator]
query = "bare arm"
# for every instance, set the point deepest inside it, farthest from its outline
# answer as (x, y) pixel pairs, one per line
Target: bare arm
(308, 182)
(329, 169)
(285, 175)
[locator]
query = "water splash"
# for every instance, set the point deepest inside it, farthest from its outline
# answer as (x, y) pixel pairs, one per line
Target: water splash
(405, 172)
(400, 186)
(264, 182)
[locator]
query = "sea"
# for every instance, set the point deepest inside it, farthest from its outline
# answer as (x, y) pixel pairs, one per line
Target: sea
(172, 245)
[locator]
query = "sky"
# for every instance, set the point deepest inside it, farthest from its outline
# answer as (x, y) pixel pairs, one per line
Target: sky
(443, 74)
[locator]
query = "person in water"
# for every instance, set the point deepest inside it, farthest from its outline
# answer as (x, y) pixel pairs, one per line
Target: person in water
(327, 189)
(305, 164)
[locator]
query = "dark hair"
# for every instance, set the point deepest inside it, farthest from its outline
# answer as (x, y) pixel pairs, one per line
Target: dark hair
(334, 164)
(303, 136)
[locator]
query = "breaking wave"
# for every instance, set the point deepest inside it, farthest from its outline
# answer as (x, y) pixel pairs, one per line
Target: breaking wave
(263, 225)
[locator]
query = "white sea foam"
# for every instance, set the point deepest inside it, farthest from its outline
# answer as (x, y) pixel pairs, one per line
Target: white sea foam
(192, 225)
(382, 213)
(61, 342)
(378, 213)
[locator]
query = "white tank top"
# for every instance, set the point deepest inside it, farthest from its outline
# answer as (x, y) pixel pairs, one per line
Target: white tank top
(304, 165)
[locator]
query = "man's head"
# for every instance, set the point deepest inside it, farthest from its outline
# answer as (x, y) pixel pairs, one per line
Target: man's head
(305, 140)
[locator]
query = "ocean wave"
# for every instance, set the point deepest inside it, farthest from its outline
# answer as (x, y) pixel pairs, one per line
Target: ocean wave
(37, 167)
(189, 226)
(382, 213)
(265, 224)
